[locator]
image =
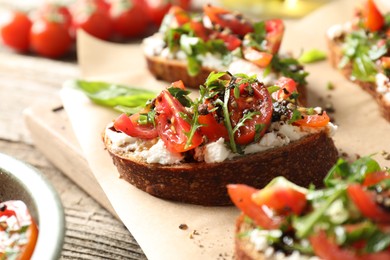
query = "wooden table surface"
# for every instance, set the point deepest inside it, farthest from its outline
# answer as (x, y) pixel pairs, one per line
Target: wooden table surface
(91, 231)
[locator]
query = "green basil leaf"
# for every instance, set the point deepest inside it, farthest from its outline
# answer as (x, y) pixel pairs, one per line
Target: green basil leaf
(361, 167)
(113, 95)
(181, 95)
(311, 56)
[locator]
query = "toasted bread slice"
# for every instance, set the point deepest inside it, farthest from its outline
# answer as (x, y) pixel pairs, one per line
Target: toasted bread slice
(304, 161)
(335, 56)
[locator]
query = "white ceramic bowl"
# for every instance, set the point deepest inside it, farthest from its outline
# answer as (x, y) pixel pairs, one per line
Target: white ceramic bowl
(20, 181)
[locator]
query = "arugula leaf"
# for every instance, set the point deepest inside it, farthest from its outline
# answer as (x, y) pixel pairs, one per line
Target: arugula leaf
(295, 116)
(311, 56)
(304, 225)
(181, 95)
(113, 95)
(246, 117)
(289, 67)
(377, 242)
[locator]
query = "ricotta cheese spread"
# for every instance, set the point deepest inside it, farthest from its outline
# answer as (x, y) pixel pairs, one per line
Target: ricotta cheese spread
(383, 86)
(259, 238)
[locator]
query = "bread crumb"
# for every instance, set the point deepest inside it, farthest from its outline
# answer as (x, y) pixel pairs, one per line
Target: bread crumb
(183, 226)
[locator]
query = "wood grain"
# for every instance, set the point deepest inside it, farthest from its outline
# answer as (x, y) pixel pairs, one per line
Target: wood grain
(91, 231)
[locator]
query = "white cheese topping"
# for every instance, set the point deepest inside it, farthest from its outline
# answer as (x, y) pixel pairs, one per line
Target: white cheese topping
(335, 31)
(259, 239)
(247, 67)
(216, 151)
(158, 153)
(383, 86)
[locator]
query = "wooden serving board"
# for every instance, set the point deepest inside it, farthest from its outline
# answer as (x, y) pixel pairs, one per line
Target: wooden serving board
(52, 134)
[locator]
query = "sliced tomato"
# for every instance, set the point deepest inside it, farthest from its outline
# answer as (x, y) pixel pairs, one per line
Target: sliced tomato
(180, 15)
(253, 98)
(287, 87)
(241, 196)
(375, 177)
(385, 61)
(211, 128)
(232, 42)
(325, 248)
(200, 30)
(131, 126)
(284, 200)
(260, 58)
(365, 202)
(274, 36)
(373, 19)
(178, 84)
(313, 120)
(172, 125)
(227, 19)
(18, 210)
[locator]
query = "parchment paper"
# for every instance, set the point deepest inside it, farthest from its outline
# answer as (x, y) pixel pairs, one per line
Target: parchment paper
(210, 234)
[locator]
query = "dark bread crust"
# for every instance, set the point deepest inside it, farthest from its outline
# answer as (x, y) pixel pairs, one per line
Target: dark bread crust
(304, 161)
(243, 248)
(335, 56)
(173, 70)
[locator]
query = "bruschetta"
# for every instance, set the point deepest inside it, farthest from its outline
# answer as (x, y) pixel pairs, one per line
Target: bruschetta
(236, 131)
(360, 50)
(190, 46)
(348, 219)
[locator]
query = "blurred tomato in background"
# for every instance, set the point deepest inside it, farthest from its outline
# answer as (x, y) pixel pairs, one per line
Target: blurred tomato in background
(50, 28)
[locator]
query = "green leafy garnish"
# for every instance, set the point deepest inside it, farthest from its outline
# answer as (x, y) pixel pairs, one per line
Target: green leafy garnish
(311, 56)
(114, 95)
(289, 67)
(181, 95)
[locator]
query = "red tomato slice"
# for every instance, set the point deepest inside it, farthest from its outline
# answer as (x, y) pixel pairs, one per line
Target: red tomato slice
(283, 200)
(15, 31)
(231, 41)
(178, 84)
(252, 98)
(17, 208)
(200, 30)
(274, 36)
(287, 87)
(241, 196)
(180, 15)
(90, 16)
(385, 61)
(373, 19)
(129, 17)
(50, 38)
(226, 19)
(326, 249)
(313, 120)
(172, 127)
(364, 201)
(375, 177)
(130, 126)
(260, 58)
(212, 129)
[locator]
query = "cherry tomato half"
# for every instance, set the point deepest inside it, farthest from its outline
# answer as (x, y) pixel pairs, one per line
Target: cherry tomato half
(130, 126)
(313, 120)
(375, 177)
(260, 58)
(283, 200)
(50, 38)
(173, 125)
(18, 210)
(211, 128)
(253, 97)
(287, 87)
(325, 248)
(373, 19)
(274, 36)
(15, 31)
(231, 41)
(227, 19)
(129, 17)
(364, 200)
(241, 196)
